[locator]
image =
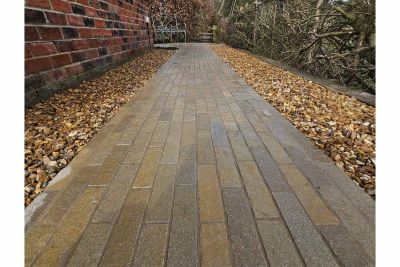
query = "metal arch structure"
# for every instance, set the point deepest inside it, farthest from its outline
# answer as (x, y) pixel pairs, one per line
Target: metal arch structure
(168, 26)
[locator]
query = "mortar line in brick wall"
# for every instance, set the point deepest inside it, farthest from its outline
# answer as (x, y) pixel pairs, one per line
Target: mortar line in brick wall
(73, 63)
(79, 39)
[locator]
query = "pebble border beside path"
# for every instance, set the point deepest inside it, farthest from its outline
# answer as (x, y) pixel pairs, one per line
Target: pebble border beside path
(197, 169)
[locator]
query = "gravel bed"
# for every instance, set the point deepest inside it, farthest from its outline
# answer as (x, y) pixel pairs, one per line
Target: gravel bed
(58, 128)
(340, 125)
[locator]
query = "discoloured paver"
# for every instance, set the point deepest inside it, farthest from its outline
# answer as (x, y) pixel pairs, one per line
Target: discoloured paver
(126, 230)
(246, 245)
(214, 245)
(61, 245)
(210, 204)
(160, 205)
(199, 170)
(152, 245)
(312, 203)
(184, 230)
(278, 244)
(228, 174)
(260, 197)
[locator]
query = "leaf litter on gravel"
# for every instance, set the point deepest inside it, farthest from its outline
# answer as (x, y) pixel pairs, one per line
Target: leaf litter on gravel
(58, 128)
(340, 125)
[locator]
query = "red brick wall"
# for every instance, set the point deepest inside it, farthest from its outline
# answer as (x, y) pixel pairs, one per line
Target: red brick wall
(66, 38)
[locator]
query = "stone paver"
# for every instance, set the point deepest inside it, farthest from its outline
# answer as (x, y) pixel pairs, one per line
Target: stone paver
(210, 204)
(278, 244)
(197, 169)
(126, 230)
(152, 246)
(214, 245)
(184, 228)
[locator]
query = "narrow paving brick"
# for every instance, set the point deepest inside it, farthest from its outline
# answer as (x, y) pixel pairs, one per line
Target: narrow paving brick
(214, 245)
(315, 174)
(203, 123)
(353, 192)
(188, 152)
(171, 149)
(346, 249)
(148, 168)
(60, 246)
(91, 245)
(218, 133)
(177, 122)
(308, 146)
(35, 240)
(182, 249)
(269, 170)
(260, 197)
(229, 122)
(60, 205)
(100, 152)
(152, 245)
(190, 112)
(238, 115)
(115, 195)
(278, 244)
(201, 106)
(35, 209)
(310, 244)
(246, 245)
(160, 204)
(210, 204)
(250, 135)
(354, 221)
(282, 135)
(255, 120)
(103, 178)
(120, 248)
(228, 174)
(275, 149)
(205, 151)
(309, 168)
(188, 133)
(244, 105)
(166, 114)
(186, 172)
(160, 135)
(239, 147)
(137, 150)
(130, 133)
(212, 108)
(109, 166)
(312, 202)
(75, 171)
(150, 123)
(180, 103)
(123, 123)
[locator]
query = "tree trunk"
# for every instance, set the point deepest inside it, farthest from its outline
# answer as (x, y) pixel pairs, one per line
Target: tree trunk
(221, 8)
(315, 28)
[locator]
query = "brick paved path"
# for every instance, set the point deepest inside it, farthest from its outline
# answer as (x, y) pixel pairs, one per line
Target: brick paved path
(198, 169)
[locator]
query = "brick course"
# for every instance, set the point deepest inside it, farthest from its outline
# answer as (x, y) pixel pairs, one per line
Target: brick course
(64, 39)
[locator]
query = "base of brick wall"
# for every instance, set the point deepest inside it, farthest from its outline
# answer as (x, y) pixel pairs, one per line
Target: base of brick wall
(36, 92)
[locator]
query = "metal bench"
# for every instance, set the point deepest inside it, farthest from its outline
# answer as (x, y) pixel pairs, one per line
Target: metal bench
(168, 28)
(205, 37)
